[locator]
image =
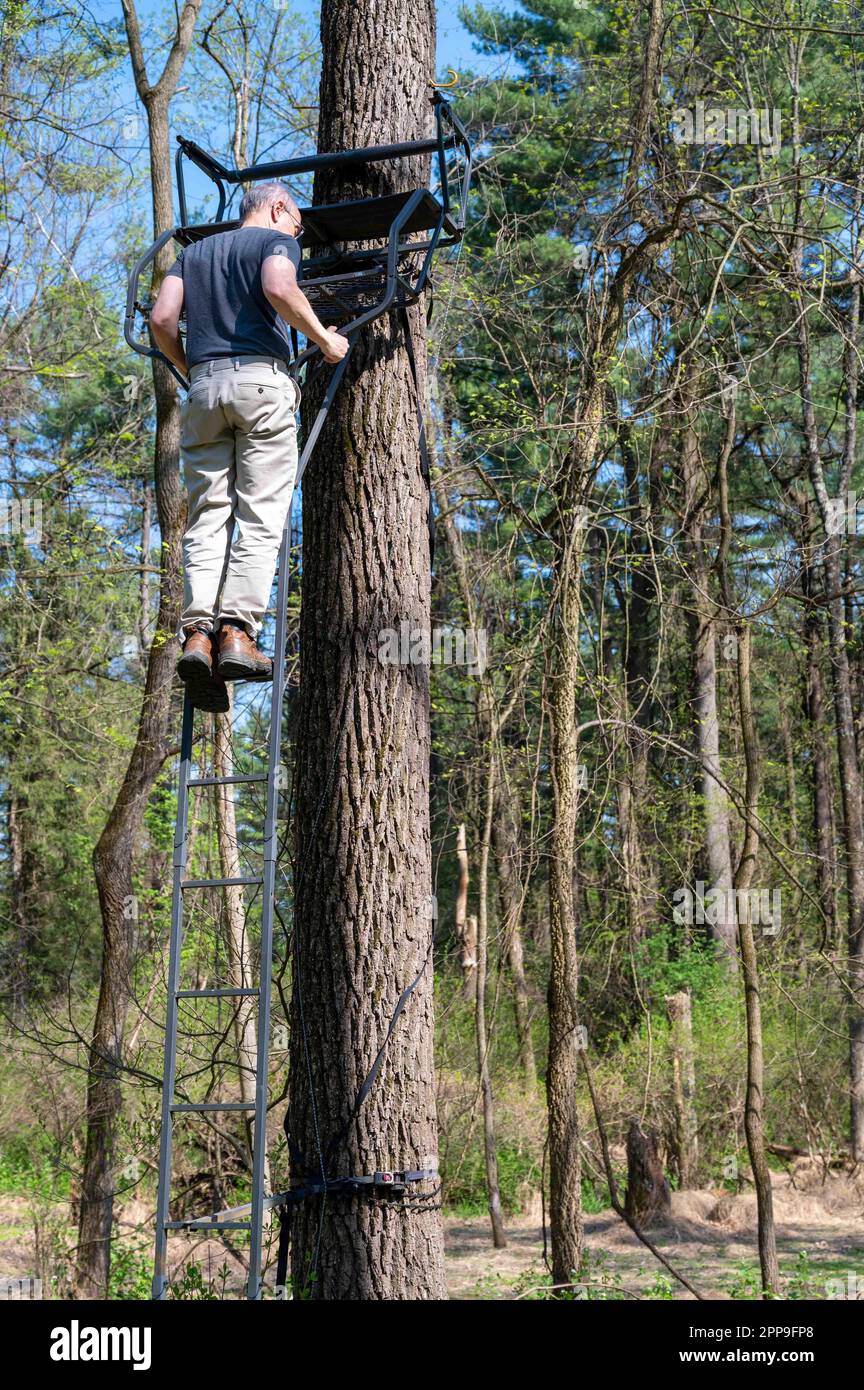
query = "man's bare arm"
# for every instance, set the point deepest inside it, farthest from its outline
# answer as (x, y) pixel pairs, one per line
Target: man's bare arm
(165, 321)
(279, 283)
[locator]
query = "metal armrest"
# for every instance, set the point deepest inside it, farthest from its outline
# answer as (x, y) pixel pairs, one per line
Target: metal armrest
(132, 304)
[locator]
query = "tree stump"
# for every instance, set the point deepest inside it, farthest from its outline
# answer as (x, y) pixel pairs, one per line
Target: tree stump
(648, 1199)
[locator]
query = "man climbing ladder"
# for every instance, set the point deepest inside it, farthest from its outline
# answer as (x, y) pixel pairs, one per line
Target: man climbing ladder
(234, 283)
(237, 290)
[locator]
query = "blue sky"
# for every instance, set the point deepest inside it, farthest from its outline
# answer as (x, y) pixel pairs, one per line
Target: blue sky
(455, 50)
(454, 42)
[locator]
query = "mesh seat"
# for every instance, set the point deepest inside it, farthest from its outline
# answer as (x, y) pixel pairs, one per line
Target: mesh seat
(343, 298)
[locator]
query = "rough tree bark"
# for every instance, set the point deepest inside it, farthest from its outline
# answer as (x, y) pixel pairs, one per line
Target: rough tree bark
(114, 852)
(702, 626)
(754, 1096)
(638, 656)
(648, 1199)
(363, 878)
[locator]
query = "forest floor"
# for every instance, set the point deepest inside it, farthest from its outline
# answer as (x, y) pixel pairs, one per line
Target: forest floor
(710, 1239)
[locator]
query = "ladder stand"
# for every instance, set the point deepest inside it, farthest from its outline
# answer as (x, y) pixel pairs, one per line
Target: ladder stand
(350, 288)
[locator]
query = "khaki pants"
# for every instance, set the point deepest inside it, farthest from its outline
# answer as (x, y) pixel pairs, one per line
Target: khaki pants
(239, 448)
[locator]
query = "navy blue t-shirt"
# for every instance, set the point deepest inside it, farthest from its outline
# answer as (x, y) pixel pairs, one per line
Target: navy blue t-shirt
(226, 309)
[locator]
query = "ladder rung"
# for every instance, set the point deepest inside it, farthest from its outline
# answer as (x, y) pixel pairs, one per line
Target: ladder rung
(269, 1203)
(227, 781)
(240, 882)
(215, 993)
(213, 1105)
(208, 1225)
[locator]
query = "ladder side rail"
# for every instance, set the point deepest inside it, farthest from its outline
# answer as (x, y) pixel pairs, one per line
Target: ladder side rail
(423, 273)
(394, 249)
(458, 140)
(268, 895)
(160, 1275)
(440, 152)
(259, 1203)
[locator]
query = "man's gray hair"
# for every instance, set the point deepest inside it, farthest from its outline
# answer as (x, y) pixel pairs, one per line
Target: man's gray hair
(262, 195)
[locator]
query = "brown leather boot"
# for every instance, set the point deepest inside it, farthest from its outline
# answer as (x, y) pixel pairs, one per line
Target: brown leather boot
(196, 659)
(239, 657)
(204, 686)
(210, 694)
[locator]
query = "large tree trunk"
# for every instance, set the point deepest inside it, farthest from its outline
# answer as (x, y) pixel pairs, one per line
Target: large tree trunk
(703, 639)
(363, 881)
(638, 658)
(754, 1098)
(114, 853)
(833, 568)
(565, 1169)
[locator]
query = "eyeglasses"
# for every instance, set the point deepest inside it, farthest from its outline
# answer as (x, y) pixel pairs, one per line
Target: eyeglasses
(298, 227)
